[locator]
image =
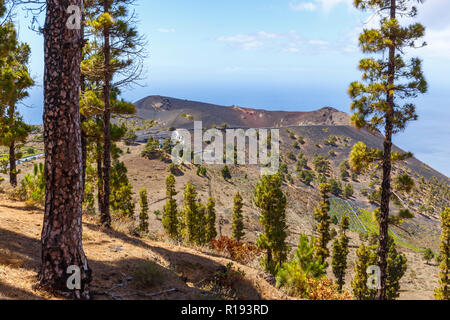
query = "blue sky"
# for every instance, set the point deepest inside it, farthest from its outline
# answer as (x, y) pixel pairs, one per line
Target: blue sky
(274, 54)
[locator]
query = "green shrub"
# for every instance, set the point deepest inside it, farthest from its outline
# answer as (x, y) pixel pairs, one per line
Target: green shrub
(151, 150)
(147, 275)
(226, 174)
(121, 191)
(293, 275)
(428, 255)
(229, 276)
(174, 169)
(33, 185)
(321, 164)
(129, 137)
(348, 191)
(306, 176)
(201, 171)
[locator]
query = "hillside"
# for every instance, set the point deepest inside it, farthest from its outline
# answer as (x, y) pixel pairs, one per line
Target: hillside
(314, 128)
(190, 271)
(115, 255)
(315, 125)
(171, 112)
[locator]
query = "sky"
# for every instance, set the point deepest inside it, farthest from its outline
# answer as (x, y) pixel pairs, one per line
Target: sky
(297, 55)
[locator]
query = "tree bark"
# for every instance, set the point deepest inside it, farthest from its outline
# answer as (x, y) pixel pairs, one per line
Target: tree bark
(99, 177)
(12, 150)
(83, 155)
(106, 215)
(12, 165)
(269, 258)
(62, 229)
(83, 118)
(387, 167)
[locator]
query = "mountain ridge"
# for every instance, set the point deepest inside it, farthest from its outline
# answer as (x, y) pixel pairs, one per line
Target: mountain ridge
(173, 112)
(181, 113)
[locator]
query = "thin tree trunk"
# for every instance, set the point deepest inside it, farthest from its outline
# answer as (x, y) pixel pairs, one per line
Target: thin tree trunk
(387, 167)
(269, 257)
(62, 251)
(106, 215)
(12, 165)
(12, 151)
(99, 176)
(83, 155)
(83, 118)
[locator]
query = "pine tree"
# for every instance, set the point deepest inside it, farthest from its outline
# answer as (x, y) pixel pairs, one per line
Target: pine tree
(226, 174)
(348, 191)
(322, 216)
(343, 168)
(238, 218)
(294, 275)
(119, 51)
(271, 201)
(396, 269)
(190, 213)
(302, 162)
(443, 292)
(121, 197)
(340, 253)
(143, 216)
(336, 187)
(367, 256)
(15, 80)
(200, 224)
(62, 228)
(8, 36)
(387, 80)
(210, 232)
(428, 255)
(2, 8)
(91, 110)
(170, 212)
(404, 183)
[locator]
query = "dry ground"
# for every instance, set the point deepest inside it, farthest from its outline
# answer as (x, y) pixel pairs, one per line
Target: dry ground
(113, 257)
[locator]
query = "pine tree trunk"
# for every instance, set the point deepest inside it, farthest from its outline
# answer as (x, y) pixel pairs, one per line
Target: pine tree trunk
(62, 229)
(83, 118)
(12, 151)
(12, 165)
(269, 257)
(106, 215)
(83, 155)
(99, 176)
(387, 167)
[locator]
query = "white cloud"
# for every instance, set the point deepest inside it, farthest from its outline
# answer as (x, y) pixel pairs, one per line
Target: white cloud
(303, 6)
(318, 42)
(435, 14)
(438, 43)
(164, 30)
(325, 5)
(244, 41)
(289, 41)
(437, 34)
